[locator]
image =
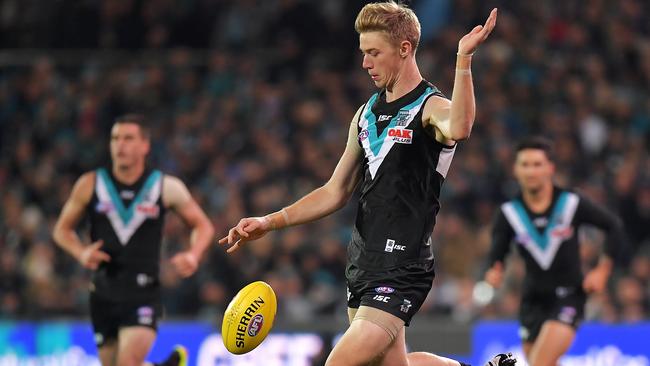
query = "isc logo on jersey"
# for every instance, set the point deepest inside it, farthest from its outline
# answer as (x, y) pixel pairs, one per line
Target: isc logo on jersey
(401, 135)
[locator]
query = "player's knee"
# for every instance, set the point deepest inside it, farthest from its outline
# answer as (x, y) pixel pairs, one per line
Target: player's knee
(343, 358)
(541, 359)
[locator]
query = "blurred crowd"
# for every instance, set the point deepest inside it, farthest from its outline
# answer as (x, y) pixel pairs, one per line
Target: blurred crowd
(250, 103)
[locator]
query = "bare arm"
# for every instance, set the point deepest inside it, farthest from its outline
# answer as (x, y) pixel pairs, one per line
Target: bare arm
(319, 203)
(453, 120)
(177, 197)
(64, 233)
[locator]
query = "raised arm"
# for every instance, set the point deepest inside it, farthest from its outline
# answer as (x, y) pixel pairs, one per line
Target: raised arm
(64, 234)
(453, 120)
(177, 197)
(319, 203)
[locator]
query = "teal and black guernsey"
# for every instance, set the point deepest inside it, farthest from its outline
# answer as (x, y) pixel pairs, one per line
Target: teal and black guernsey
(549, 242)
(129, 219)
(404, 168)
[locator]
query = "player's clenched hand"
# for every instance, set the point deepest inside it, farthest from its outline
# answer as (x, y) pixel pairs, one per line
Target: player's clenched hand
(247, 229)
(494, 275)
(185, 263)
(468, 44)
(595, 281)
(92, 256)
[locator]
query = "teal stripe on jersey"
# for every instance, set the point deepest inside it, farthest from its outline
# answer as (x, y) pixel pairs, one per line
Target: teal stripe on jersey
(375, 145)
(112, 191)
(376, 142)
(126, 214)
(542, 241)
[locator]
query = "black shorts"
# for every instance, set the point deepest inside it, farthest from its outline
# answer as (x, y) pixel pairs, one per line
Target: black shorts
(108, 316)
(400, 291)
(565, 304)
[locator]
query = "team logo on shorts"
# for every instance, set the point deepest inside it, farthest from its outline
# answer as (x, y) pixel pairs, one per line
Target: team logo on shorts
(406, 306)
(391, 246)
(145, 315)
(384, 290)
(567, 314)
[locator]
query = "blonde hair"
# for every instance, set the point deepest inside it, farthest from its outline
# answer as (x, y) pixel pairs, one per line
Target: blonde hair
(396, 20)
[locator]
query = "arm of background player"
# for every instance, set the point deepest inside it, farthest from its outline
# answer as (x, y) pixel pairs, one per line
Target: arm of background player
(590, 213)
(316, 204)
(64, 233)
(502, 235)
(453, 120)
(177, 197)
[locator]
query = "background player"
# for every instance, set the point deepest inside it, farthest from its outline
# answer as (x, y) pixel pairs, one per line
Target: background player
(125, 205)
(400, 145)
(544, 221)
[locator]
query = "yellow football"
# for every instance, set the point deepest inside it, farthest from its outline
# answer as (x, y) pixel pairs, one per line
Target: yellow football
(249, 318)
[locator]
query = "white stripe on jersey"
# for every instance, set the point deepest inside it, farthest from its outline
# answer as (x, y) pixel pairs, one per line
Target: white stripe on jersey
(125, 230)
(444, 160)
(544, 256)
(374, 161)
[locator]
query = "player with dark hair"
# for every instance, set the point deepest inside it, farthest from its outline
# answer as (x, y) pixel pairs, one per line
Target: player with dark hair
(125, 205)
(400, 146)
(543, 221)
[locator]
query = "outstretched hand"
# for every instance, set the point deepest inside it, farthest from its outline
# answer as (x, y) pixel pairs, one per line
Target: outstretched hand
(248, 229)
(470, 42)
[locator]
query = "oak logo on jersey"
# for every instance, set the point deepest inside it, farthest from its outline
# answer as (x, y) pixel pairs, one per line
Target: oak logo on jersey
(563, 232)
(149, 210)
(401, 135)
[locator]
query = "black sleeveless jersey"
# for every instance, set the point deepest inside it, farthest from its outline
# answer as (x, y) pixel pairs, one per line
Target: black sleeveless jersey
(548, 242)
(129, 219)
(404, 167)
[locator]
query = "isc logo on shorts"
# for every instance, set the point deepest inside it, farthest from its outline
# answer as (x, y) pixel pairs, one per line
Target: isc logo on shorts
(391, 246)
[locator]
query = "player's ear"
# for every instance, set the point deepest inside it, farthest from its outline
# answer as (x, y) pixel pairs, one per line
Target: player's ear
(405, 49)
(147, 146)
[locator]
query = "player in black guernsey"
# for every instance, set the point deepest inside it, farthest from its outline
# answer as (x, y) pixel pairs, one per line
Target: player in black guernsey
(400, 145)
(125, 205)
(543, 222)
